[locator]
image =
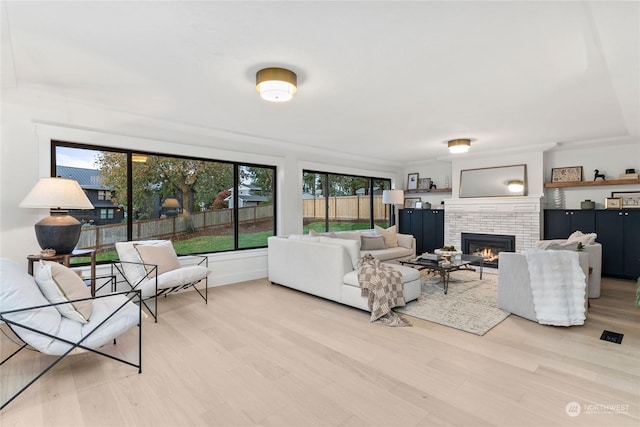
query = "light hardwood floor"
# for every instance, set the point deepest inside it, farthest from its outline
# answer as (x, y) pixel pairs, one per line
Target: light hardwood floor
(261, 354)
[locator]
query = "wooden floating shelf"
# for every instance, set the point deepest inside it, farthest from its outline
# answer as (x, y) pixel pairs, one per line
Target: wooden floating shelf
(424, 190)
(592, 183)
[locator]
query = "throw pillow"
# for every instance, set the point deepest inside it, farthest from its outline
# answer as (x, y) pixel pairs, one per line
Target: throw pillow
(565, 246)
(161, 254)
(314, 233)
(390, 236)
(580, 237)
(349, 235)
(352, 247)
(405, 240)
(372, 243)
(59, 284)
(303, 237)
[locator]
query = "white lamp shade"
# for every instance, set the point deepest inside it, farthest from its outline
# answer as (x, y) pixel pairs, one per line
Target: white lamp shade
(61, 193)
(393, 197)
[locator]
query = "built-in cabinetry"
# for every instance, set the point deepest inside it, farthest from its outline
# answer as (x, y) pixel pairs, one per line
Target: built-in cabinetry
(426, 225)
(560, 223)
(618, 232)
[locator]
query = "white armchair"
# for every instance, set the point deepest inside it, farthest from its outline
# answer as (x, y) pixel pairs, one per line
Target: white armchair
(152, 267)
(40, 313)
(515, 293)
(594, 250)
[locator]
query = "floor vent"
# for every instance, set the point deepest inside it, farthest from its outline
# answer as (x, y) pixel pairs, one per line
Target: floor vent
(614, 337)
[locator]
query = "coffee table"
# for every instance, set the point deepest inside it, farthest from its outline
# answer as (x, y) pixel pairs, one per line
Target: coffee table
(445, 268)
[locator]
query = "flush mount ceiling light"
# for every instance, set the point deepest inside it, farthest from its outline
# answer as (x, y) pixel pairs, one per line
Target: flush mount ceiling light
(459, 145)
(276, 84)
(515, 186)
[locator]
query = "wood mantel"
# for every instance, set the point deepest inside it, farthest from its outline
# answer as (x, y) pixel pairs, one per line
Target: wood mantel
(591, 183)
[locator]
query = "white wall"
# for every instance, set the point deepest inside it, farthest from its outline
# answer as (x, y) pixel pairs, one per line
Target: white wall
(30, 122)
(609, 157)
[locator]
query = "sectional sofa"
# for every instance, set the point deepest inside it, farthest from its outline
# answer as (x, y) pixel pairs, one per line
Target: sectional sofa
(327, 265)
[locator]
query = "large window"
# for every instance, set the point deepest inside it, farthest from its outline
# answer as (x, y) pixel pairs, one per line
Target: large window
(202, 205)
(334, 202)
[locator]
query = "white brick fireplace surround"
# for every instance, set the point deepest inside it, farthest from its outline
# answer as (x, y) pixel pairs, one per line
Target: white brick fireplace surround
(516, 216)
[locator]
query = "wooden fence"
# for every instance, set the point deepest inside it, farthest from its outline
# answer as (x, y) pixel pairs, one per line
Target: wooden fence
(345, 208)
(105, 236)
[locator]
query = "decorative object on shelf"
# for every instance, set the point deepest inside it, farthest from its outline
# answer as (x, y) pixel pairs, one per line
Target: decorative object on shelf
(48, 252)
(393, 198)
(426, 205)
(515, 186)
(276, 84)
(418, 205)
(412, 181)
(424, 183)
(613, 203)
(629, 174)
(587, 204)
(557, 198)
(459, 145)
(599, 175)
(630, 199)
(58, 231)
(568, 174)
(410, 202)
(432, 186)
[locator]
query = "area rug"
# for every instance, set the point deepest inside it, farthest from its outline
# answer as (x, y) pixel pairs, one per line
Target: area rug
(470, 305)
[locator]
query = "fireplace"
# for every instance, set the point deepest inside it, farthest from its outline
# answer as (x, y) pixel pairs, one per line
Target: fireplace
(487, 246)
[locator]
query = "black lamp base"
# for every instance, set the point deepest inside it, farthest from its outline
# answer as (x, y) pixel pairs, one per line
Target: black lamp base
(58, 231)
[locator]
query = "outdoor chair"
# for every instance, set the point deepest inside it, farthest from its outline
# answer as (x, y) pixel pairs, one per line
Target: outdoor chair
(39, 313)
(152, 267)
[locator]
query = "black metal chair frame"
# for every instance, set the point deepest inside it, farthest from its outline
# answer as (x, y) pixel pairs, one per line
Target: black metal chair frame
(151, 274)
(74, 345)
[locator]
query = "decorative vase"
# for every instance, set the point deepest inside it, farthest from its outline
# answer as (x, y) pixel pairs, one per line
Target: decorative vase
(587, 204)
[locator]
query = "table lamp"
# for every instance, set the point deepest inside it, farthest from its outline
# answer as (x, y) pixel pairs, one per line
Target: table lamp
(393, 198)
(58, 231)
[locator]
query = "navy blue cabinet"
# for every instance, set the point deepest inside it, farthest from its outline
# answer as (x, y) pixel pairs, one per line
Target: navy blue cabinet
(560, 223)
(426, 225)
(619, 233)
(432, 229)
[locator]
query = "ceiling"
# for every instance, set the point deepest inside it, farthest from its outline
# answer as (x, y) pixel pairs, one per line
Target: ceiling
(392, 80)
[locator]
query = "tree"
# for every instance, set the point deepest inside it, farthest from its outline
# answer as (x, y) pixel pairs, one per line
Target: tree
(191, 181)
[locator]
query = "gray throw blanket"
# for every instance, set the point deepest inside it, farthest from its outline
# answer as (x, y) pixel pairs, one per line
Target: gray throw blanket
(383, 287)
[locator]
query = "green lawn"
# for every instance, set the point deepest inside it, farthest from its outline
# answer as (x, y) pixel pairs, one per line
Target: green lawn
(341, 226)
(209, 244)
(201, 244)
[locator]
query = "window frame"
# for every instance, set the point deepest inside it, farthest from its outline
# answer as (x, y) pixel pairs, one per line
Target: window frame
(54, 143)
(326, 196)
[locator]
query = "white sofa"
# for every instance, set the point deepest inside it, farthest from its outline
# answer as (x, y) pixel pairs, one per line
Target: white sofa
(327, 266)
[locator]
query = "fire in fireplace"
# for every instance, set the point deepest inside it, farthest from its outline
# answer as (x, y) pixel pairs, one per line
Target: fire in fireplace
(487, 246)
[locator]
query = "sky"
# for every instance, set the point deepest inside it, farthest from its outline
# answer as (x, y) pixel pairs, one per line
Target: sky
(77, 158)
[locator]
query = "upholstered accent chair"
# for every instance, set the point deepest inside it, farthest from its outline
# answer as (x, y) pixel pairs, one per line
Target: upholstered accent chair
(515, 293)
(40, 315)
(153, 267)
